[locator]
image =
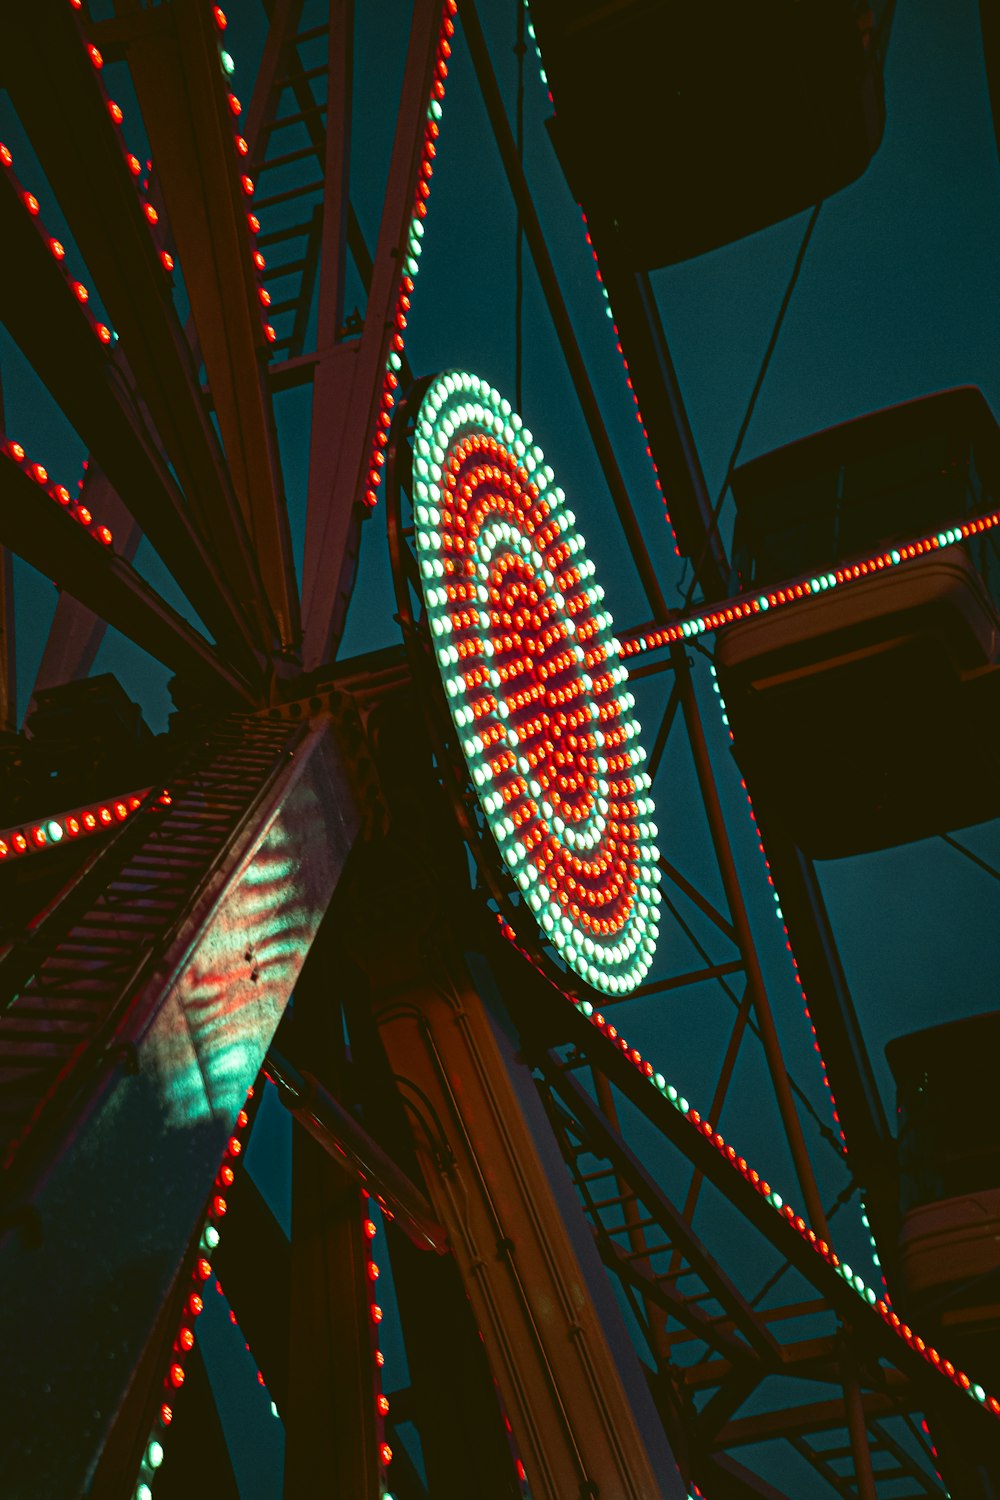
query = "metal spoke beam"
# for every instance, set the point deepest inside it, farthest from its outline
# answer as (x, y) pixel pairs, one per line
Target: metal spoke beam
(76, 632)
(544, 1016)
(346, 391)
(521, 192)
(183, 97)
(44, 535)
(43, 316)
(606, 1142)
(57, 95)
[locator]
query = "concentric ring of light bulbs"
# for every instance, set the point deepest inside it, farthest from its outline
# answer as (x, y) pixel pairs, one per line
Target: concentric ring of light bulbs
(534, 682)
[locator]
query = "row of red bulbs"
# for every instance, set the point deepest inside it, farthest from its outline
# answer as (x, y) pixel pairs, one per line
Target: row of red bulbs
(739, 1163)
(425, 171)
(57, 492)
(117, 115)
(56, 248)
(50, 831)
(631, 387)
(247, 187)
(201, 1271)
(796, 590)
(369, 1230)
(495, 488)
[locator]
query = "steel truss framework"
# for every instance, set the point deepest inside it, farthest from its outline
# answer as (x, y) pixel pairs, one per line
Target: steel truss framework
(144, 984)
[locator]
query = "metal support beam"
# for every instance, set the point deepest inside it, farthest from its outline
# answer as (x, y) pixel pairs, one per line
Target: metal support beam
(345, 1140)
(857, 1429)
(58, 98)
(331, 1420)
(453, 1403)
(557, 307)
(337, 174)
(167, 1085)
(831, 1008)
(76, 632)
(44, 535)
(651, 369)
(183, 97)
(45, 319)
(346, 392)
(755, 977)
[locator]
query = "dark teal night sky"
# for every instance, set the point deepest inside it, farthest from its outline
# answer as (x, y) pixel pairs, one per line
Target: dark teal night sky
(896, 299)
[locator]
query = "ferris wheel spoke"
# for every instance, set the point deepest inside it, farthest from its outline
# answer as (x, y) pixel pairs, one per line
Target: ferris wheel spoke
(42, 314)
(62, 106)
(188, 113)
(341, 453)
(76, 632)
(46, 536)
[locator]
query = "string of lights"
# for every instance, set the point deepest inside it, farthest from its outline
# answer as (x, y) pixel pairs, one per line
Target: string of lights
(410, 258)
(785, 1211)
(194, 1305)
(242, 147)
(807, 586)
(14, 453)
(55, 247)
(79, 823)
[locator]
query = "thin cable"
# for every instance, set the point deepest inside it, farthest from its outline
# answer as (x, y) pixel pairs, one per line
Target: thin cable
(969, 855)
(755, 393)
(519, 52)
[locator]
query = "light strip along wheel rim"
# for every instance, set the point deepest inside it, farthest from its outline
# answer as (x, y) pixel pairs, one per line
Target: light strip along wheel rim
(534, 682)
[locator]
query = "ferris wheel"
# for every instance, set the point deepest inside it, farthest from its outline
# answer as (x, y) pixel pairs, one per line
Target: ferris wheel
(404, 1081)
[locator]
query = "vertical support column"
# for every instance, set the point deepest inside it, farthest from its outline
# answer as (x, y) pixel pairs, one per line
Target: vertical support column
(574, 1423)
(857, 1429)
(454, 1400)
(331, 1425)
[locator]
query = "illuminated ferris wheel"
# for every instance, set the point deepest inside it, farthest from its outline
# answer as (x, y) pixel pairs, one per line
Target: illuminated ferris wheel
(350, 1132)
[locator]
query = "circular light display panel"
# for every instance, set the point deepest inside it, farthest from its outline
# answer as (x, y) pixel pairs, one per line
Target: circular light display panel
(534, 681)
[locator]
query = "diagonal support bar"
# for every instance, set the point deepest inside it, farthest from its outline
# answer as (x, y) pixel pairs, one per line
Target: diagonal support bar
(347, 381)
(177, 75)
(45, 319)
(58, 96)
(39, 531)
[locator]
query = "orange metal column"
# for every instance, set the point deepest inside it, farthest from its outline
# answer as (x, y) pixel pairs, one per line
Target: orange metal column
(579, 1429)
